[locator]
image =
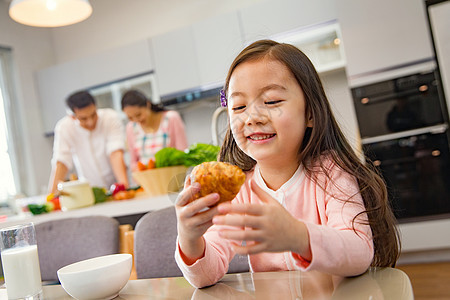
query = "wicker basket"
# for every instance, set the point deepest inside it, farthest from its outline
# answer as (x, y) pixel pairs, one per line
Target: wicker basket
(161, 181)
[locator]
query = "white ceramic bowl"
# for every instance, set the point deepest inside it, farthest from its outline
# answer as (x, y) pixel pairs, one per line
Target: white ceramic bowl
(97, 278)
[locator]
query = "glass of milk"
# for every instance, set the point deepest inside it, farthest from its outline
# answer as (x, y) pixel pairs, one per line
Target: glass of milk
(21, 262)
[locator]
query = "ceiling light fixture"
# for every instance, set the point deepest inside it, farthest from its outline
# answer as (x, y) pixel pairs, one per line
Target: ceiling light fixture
(49, 13)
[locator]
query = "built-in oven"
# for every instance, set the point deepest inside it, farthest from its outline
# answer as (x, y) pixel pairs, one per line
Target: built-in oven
(399, 104)
(404, 130)
(417, 171)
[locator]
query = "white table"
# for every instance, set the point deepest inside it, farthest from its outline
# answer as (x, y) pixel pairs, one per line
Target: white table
(375, 284)
(140, 204)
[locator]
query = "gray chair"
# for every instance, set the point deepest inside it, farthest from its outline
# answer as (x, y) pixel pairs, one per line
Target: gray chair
(65, 241)
(154, 246)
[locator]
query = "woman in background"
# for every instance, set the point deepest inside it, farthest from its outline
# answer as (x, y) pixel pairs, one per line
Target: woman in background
(151, 128)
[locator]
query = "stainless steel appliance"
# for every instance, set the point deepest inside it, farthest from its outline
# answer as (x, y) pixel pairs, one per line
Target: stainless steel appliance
(399, 104)
(404, 129)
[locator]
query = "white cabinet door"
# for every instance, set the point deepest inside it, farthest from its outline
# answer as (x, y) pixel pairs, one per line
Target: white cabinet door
(176, 66)
(55, 84)
(383, 34)
(266, 18)
(117, 63)
(217, 41)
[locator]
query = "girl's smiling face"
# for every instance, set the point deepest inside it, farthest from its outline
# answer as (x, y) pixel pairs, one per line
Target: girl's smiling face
(267, 111)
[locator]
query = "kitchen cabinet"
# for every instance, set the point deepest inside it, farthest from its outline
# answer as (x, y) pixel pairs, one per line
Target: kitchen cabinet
(118, 63)
(266, 18)
(382, 35)
(197, 56)
(176, 66)
(217, 42)
(110, 95)
(321, 43)
(57, 82)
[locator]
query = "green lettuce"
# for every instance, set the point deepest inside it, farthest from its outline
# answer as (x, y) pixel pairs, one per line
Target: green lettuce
(198, 153)
(194, 155)
(169, 156)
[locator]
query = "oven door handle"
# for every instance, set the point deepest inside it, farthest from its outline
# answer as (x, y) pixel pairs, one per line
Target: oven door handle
(402, 94)
(398, 135)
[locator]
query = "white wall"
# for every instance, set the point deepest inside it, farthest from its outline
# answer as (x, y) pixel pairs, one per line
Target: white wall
(198, 117)
(32, 49)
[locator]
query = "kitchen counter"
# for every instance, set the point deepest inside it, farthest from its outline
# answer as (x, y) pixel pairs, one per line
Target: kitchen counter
(425, 241)
(138, 205)
(418, 238)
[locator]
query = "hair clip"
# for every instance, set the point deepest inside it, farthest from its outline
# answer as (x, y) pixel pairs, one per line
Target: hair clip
(223, 99)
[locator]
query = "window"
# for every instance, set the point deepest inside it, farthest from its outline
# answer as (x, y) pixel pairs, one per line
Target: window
(8, 185)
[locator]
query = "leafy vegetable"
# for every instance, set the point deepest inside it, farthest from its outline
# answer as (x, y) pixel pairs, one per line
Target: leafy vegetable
(37, 209)
(198, 153)
(100, 194)
(169, 156)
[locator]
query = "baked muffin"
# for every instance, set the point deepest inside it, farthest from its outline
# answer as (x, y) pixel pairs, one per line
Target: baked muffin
(218, 177)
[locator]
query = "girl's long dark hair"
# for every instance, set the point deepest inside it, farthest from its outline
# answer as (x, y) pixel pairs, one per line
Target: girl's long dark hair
(324, 139)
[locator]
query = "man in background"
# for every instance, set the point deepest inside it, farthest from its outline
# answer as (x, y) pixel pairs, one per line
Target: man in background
(91, 140)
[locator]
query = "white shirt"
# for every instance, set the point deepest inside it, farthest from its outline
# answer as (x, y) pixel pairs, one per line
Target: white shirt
(89, 151)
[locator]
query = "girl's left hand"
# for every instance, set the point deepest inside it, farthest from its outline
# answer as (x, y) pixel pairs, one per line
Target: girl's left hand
(266, 227)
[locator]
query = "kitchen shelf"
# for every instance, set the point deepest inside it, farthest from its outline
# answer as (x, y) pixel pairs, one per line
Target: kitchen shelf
(109, 95)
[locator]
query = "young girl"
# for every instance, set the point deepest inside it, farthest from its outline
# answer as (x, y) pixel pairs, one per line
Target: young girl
(308, 202)
(151, 128)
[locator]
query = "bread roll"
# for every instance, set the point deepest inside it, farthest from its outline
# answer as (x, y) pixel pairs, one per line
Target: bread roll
(218, 177)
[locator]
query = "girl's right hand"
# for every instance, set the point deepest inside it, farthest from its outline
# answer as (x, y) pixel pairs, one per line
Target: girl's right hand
(194, 218)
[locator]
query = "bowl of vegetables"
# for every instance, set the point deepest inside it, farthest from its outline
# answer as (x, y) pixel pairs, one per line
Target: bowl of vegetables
(167, 172)
(159, 181)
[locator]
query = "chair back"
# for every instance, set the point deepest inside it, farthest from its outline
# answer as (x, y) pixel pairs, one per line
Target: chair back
(155, 244)
(65, 241)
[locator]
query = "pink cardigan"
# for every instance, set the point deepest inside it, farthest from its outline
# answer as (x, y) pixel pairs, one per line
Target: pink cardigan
(336, 248)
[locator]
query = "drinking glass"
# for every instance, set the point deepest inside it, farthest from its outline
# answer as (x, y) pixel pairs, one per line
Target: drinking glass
(21, 262)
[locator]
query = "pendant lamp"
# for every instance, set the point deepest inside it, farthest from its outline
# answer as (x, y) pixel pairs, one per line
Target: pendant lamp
(49, 13)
